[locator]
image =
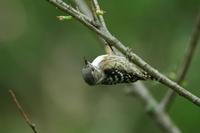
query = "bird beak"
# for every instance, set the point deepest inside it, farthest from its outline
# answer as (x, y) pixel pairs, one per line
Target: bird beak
(86, 61)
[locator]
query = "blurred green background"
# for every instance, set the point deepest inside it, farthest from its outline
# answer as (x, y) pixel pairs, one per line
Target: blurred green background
(41, 59)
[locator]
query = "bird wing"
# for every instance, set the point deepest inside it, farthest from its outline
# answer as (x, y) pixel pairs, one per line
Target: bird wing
(122, 64)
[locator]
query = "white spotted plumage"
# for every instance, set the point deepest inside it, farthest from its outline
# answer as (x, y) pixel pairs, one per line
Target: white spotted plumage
(112, 69)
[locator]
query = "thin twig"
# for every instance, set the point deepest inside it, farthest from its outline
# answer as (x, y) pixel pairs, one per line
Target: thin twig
(82, 5)
(96, 7)
(127, 52)
(93, 11)
(100, 16)
(23, 113)
(170, 95)
(97, 18)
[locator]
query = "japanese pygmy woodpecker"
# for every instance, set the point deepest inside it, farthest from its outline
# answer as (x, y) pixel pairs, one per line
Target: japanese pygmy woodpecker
(112, 69)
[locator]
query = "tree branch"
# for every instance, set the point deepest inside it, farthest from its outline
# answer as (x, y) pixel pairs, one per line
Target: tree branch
(82, 5)
(126, 51)
(100, 16)
(161, 118)
(23, 113)
(92, 10)
(170, 95)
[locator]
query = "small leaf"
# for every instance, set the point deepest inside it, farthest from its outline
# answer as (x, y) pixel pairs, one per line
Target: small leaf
(62, 18)
(100, 12)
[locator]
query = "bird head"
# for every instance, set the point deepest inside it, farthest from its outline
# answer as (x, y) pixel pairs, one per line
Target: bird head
(91, 74)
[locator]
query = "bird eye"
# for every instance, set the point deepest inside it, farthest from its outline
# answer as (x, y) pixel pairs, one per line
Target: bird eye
(92, 69)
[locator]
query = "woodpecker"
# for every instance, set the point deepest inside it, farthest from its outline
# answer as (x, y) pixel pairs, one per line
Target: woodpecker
(112, 69)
